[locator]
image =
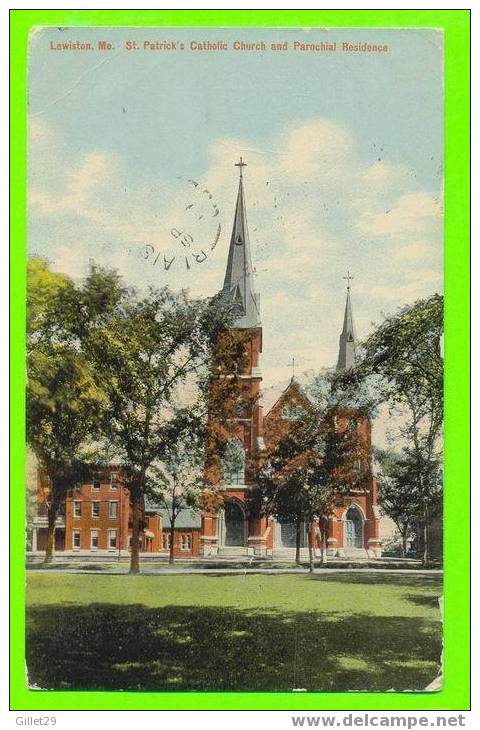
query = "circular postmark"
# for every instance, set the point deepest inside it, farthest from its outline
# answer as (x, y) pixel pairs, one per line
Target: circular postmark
(190, 234)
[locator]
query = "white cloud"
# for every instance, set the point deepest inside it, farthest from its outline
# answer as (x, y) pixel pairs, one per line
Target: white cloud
(80, 188)
(38, 130)
(314, 208)
(414, 251)
(314, 148)
(415, 285)
(412, 213)
(381, 174)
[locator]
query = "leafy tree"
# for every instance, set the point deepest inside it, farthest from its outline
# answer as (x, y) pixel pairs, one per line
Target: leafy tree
(64, 398)
(404, 497)
(426, 482)
(403, 361)
(105, 369)
(31, 493)
(395, 493)
(177, 481)
(153, 351)
(307, 471)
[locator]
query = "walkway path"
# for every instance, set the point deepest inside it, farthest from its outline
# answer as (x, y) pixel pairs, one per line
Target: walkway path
(183, 570)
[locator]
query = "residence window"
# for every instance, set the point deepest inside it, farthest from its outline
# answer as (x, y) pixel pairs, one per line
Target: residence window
(185, 542)
(112, 539)
(113, 480)
(94, 539)
(113, 510)
(77, 509)
(95, 509)
(166, 540)
(76, 540)
(96, 482)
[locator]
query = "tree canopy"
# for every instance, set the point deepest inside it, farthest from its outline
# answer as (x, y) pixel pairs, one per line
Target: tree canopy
(153, 353)
(308, 469)
(65, 399)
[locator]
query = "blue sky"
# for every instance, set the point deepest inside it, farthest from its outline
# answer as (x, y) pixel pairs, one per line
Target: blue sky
(345, 170)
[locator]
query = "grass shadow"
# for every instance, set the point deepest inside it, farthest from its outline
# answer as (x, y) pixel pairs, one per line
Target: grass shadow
(132, 647)
(424, 580)
(430, 601)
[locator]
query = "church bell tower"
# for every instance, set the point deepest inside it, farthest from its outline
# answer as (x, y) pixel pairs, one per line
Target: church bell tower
(354, 526)
(232, 527)
(243, 302)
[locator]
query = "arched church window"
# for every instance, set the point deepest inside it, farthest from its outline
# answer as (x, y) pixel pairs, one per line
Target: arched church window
(352, 426)
(292, 411)
(233, 462)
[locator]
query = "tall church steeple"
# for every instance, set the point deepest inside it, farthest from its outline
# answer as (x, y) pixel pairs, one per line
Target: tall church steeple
(348, 345)
(238, 286)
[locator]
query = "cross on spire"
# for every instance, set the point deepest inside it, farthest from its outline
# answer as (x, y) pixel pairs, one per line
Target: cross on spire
(240, 166)
(348, 278)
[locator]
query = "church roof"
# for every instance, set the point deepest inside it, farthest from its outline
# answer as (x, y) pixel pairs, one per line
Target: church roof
(186, 518)
(271, 395)
(238, 286)
(348, 338)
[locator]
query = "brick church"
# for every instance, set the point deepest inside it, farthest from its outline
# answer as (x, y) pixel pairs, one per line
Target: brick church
(354, 525)
(96, 516)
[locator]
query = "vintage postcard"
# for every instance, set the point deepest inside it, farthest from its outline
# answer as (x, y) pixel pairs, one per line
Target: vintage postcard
(234, 421)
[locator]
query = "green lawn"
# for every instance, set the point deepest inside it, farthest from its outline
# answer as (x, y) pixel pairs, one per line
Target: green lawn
(254, 632)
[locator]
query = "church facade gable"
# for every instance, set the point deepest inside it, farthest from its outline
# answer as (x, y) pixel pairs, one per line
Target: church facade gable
(291, 405)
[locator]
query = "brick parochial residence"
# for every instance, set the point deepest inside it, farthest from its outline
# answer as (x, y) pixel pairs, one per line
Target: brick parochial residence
(95, 519)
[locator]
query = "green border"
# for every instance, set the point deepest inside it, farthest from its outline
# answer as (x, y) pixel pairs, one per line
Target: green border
(455, 694)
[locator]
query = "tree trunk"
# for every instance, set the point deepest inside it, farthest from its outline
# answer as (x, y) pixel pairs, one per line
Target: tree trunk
(298, 538)
(425, 556)
(427, 535)
(171, 557)
(137, 520)
(322, 528)
(310, 549)
(323, 551)
(426, 551)
(52, 518)
(404, 545)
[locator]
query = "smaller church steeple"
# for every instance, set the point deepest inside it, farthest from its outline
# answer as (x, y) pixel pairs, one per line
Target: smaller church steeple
(348, 337)
(238, 288)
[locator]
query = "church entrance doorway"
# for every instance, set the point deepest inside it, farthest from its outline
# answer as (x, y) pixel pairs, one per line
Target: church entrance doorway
(234, 519)
(287, 534)
(353, 528)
